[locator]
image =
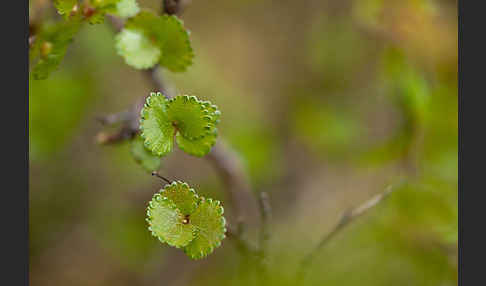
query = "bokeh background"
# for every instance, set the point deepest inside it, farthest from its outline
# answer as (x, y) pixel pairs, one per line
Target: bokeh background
(326, 102)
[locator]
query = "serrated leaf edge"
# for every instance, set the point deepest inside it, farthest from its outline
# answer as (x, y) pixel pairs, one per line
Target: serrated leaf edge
(207, 117)
(180, 24)
(210, 249)
(146, 141)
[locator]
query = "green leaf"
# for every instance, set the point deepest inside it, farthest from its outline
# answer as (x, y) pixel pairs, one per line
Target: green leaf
(167, 223)
(51, 45)
(182, 196)
(210, 228)
(177, 48)
(137, 50)
(192, 121)
(191, 118)
(169, 35)
(65, 7)
(155, 127)
(213, 111)
(198, 147)
(143, 156)
(202, 146)
(127, 8)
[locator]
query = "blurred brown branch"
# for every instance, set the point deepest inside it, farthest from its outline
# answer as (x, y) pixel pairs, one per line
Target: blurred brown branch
(265, 213)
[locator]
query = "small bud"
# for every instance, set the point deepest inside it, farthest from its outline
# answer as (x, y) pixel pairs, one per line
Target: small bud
(88, 11)
(185, 220)
(102, 138)
(31, 40)
(74, 10)
(46, 48)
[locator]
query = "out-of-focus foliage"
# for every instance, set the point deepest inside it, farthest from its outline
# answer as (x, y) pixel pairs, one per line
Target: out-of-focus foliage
(325, 128)
(137, 50)
(127, 8)
(50, 46)
(326, 102)
(55, 111)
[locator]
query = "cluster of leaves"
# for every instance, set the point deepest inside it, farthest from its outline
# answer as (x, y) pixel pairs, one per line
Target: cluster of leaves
(176, 215)
(50, 45)
(179, 217)
(146, 39)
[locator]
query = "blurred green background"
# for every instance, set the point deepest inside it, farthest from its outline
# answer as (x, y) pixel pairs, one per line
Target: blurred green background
(327, 102)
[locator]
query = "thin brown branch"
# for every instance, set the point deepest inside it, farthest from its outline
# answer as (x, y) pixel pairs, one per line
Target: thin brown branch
(116, 22)
(124, 133)
(265, 214)
(347, 217)
(171, 6)
(228, 165)
(110, 119)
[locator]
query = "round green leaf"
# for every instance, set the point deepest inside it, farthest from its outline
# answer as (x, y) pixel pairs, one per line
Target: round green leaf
(167, 223)
(155, 127)
(177, 48)
(143, 156)
(209, 226)
(182, 196)
(189, 116)
(169, 34)
(137, 50)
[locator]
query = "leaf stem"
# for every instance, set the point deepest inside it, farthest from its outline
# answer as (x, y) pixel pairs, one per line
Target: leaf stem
(156, 174)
